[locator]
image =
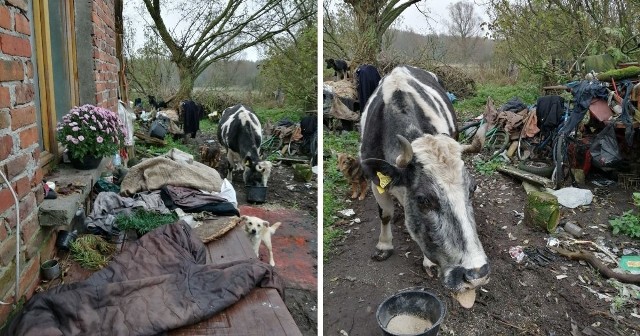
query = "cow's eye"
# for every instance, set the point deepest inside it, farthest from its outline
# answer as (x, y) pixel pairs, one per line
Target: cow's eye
(426, 203)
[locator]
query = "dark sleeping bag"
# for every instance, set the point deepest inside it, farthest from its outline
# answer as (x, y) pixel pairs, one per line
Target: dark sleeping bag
(156, 284)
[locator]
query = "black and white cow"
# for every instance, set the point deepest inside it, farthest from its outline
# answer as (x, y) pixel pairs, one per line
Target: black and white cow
(240, 132)
(409, 151)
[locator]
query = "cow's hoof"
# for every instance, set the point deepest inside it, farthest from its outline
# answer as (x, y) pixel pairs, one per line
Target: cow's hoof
(381, 255)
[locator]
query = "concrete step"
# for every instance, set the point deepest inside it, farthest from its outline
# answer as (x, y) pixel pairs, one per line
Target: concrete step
(60, 211)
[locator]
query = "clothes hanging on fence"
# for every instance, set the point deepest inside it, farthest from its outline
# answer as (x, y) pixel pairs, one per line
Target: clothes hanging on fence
(549, 110)
(367, 77)
(191, 114)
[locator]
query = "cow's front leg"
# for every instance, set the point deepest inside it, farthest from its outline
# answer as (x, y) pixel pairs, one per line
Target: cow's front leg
(384, 248)
(429, 266)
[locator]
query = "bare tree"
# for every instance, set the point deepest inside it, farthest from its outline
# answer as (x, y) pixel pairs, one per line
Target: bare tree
(465, 26)
(212, 30)
(372, 19)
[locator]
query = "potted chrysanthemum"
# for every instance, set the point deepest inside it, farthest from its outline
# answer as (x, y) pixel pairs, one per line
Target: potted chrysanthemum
(90, 133)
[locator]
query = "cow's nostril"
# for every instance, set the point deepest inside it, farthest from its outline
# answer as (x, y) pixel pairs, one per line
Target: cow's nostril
(476, 273)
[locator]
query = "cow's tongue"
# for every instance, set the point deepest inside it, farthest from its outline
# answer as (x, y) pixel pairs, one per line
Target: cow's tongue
(466, 298)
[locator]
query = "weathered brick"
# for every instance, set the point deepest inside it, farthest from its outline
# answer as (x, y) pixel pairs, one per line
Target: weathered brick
(5, 119)
(16, 166)
(22, 4)
(22, 116)
(5, 98)
(22, 24)
(29, 65)
(22, 187)
(5, 310)
(3, 229)
(24, 93)
(39, 195)
(7, 250)
(29, 231)
(6, 146)
(28, 137)
(11, 70)
(30, 273)
(6, 200)
(36, 180)
(5, 18)
(16, 46)
(27, 206)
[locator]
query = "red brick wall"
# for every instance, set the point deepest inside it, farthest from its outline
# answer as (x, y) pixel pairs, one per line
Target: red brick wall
(19, 154)
(104, 54)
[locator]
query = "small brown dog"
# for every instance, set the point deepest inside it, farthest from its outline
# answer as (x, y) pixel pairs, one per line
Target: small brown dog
(210, 154)
(352, 171)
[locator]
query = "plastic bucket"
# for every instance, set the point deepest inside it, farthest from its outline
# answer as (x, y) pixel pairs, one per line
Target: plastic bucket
(64, 239)
(50, 269)
(256, 194)
(416, 304)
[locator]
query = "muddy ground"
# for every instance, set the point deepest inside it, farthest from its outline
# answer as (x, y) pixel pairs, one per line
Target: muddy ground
(521, 298)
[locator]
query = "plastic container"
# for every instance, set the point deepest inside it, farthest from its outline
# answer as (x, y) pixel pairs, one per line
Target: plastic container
(65, 238)
(256, 194)
(416, 302)
(50, 269)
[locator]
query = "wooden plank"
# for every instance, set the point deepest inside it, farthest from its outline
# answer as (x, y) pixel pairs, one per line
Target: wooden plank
(529, 177)
(262, 312)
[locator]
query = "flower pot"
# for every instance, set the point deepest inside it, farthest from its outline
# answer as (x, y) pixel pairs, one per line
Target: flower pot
(50, 269)
(87, 162)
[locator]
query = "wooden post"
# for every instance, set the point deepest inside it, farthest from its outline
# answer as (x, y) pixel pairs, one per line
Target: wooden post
(542, 210)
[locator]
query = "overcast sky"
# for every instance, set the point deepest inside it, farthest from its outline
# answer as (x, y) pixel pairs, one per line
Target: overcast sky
(411, 18)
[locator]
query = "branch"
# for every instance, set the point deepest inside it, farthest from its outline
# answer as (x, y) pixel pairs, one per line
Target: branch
(597, 264)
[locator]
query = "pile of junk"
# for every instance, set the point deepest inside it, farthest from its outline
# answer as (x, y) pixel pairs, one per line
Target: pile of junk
(586, 131)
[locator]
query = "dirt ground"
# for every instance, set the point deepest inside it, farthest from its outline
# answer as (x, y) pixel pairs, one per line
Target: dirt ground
(521, 298)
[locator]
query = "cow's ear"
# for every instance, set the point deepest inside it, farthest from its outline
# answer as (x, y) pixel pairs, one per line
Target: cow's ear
(382, 173)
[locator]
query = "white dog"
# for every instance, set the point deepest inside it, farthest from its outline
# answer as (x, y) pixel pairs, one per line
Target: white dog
(264, 167)
(259, 230)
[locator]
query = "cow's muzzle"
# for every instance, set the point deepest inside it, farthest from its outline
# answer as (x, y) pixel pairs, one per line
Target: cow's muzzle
(460, 278)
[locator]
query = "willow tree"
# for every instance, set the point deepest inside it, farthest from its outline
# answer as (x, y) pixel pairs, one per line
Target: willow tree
(372, 18)
(213, 30)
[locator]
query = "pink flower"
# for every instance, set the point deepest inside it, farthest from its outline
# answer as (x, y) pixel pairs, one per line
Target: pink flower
(74, 140)
(81, 138)
(92, 128)
(69, 137)
(75, 129)
(99, 139)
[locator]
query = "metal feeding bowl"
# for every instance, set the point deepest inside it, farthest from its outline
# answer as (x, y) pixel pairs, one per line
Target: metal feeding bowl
(410, 312)
(256, 194)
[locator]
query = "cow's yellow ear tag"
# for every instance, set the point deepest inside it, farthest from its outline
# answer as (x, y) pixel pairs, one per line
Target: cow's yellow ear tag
(384, 181)
(246, 163)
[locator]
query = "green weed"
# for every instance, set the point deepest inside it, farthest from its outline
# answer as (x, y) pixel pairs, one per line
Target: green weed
(488, 167)
(92, 252)
(274, 115)
(208, 127)
(629, 222)
(144, 221)
(335, 185)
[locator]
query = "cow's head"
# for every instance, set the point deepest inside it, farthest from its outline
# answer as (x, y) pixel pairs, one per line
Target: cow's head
(256, 173)
(437, 193)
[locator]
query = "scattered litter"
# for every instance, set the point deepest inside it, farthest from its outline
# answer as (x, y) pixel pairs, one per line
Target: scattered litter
(343, 333)
(603, 182)
(347, 212)
(600, 296)
(268, 304)
(573, 197)
(573, 229)
(400, 274)
(350, 278)
(512, 237)
(628, 251)
(504, 227)
(484, 290)
(290, 187)
(581, 279)
(518, 214)
(517, 253)
(561, 276)
(552, 241)
(630, 263)
(635, 315)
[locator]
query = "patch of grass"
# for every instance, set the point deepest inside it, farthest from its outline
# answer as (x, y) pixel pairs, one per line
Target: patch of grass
(171, 143)
(144, 221)
(92, 252)
(208, 127)
(294, 114)
(488, 167)
(474, 106)
(335, 184)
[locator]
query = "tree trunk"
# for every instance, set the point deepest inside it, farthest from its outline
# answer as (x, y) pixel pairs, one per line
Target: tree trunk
(187, 81)
(542, 211)
(369, 44)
